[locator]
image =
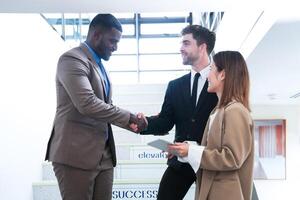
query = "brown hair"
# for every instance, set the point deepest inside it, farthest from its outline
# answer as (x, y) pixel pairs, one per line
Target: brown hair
(236, 83)
(201, 35)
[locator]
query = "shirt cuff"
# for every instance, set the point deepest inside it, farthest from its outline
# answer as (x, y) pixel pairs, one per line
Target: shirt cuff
(182, 159)
(194, 155)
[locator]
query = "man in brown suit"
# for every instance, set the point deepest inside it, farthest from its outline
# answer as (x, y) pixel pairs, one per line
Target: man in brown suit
(81, 146)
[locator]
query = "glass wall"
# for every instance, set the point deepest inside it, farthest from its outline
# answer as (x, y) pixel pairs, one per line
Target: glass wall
(149, 49)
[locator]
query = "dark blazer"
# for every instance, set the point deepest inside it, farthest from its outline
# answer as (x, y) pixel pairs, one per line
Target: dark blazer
(83, 114)
(177, 110)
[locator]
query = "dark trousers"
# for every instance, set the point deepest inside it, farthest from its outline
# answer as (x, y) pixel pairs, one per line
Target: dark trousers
(175, 183)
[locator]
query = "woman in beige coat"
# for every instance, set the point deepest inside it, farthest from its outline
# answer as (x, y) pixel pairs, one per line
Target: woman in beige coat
(224, 160)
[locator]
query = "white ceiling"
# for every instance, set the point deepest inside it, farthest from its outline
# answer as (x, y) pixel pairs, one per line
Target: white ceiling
(125, 5)
(275, 64)
(265, 31)
(269, 40)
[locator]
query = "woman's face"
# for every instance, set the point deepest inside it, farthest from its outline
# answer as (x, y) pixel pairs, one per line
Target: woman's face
(215, 79)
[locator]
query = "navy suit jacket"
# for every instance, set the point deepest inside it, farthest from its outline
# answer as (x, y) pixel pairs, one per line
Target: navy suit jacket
(177, 109)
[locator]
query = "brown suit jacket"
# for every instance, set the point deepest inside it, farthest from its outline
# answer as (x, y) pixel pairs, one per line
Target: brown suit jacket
(83, 113)
(226, 170)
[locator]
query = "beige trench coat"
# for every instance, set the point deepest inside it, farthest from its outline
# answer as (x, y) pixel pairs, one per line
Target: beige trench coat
(226, 170)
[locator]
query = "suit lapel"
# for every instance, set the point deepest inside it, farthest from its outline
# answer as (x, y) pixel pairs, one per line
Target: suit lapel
(110, 88)
(96, 68)
(202, 96)
(186, 89)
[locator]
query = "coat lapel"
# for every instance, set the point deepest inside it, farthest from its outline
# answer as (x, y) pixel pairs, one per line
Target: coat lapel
(211, 139)
(206, 130)
(202, 96)
(110, 88)
(214, 139)
(186, 89)
(204, 138)
(96, 68)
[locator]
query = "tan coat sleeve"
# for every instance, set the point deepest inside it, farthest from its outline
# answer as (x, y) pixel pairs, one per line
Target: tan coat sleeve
(73, 74)
(234, 147)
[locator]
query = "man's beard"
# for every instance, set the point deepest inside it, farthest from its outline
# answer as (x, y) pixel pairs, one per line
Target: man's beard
(187, 61)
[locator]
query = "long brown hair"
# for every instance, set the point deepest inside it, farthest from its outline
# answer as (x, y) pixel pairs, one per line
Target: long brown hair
(236, 83)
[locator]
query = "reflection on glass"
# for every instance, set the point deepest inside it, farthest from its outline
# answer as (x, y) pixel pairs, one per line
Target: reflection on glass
(160, 77)
(171, 28)
(123, 77)
(128, 29)
(88, 15)
(71, 30)
(165, 14)
(84, 30)
(160, 45)
(58, 28)
(121, 63)
(52, 15)
(269, 149)
(162, 62)
(127, 46)
(71, 15)
(123, 15)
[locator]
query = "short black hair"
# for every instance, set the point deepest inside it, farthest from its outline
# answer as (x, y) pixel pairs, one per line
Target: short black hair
(106, 21)
(201, 35)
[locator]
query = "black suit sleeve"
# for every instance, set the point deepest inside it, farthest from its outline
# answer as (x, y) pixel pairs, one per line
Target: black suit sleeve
(164, 122)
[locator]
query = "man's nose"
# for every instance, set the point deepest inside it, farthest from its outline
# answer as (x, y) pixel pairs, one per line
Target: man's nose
(181, 49)
(115, 47)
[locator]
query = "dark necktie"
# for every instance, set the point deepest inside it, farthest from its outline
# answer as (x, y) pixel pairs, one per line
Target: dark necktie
(194, 90)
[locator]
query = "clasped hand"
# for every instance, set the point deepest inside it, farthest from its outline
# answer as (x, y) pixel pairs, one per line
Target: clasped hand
(138, 123)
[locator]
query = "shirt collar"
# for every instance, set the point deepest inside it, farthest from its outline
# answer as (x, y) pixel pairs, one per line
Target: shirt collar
(203, 73)
(94, 54)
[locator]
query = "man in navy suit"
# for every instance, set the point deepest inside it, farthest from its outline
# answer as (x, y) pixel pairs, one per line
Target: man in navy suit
(187, 105)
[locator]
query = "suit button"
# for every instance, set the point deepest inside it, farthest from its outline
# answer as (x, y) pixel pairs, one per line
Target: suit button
(193, 120)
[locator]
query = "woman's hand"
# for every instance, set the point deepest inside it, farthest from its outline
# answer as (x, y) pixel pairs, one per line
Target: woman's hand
(179, 148)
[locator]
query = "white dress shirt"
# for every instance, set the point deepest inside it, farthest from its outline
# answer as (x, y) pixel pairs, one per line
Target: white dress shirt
(201, 82)
(195, 151)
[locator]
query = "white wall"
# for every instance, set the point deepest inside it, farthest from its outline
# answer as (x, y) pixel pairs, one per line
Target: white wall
(289, 188)
(29, 51)
(274, 70)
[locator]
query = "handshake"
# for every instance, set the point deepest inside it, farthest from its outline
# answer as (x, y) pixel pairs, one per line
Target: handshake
(138, 123)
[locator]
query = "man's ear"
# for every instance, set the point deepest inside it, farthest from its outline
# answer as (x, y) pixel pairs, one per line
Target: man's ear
(97, 34)
(203, 47)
